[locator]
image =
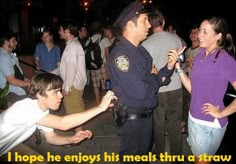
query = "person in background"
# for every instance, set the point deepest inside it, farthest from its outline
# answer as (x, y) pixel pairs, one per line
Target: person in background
(135, 80)
(83, 39)
(99, 76)
(190, 55)
(108, 31)
(72, 70)
(19, 122)
(83, 35)
(193, 50)
(213, 68)
(168, 114)
(47, 54)
(172, 29)
(10, 70)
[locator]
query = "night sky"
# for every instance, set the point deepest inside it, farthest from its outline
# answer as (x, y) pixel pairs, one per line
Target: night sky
(182, 13)
(175, 11)
(185, 13)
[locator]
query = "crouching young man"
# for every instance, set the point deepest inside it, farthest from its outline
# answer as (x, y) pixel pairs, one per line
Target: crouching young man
(20, 121)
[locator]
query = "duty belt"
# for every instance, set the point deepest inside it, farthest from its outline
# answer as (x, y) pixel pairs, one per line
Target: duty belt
(133, 116)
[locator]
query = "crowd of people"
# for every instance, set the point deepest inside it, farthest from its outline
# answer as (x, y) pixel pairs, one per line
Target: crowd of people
(159, 94)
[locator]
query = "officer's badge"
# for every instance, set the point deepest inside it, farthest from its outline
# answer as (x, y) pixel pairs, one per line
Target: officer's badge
(122, 62)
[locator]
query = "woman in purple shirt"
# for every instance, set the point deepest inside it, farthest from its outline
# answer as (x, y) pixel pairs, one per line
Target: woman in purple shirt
(213, 69)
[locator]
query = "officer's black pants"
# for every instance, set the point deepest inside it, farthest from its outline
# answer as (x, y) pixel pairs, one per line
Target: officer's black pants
(136, 138)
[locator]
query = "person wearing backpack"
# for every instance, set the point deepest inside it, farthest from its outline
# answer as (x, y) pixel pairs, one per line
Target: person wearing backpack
(109, 32)
(99, 76)
(83, 35)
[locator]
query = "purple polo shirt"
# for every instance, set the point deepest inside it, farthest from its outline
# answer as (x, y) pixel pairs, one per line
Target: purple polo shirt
(209, 81)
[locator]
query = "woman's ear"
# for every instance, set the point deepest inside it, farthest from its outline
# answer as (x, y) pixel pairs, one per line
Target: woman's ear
(219, 36)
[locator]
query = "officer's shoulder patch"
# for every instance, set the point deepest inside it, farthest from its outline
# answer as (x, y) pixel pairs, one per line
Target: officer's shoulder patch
(122, 62)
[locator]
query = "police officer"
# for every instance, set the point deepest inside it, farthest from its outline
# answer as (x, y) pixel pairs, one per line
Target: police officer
(135, 80)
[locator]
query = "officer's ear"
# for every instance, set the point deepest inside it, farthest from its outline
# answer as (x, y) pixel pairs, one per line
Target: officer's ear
(130, 24)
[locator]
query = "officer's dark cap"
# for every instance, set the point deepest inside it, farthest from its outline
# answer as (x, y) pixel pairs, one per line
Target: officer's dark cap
(130, 12)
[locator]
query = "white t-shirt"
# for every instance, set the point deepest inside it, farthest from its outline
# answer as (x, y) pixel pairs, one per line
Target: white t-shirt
(19, 122)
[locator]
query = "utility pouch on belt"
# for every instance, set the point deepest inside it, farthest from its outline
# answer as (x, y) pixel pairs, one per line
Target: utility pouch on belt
(119, 113)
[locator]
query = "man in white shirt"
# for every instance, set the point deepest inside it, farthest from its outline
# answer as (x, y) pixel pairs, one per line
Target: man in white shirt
(72, 70)
(20, 121)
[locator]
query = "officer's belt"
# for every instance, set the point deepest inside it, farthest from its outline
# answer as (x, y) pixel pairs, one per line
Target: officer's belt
(133, 116)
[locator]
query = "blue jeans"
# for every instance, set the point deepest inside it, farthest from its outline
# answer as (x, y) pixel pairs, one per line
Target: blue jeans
(204, 139)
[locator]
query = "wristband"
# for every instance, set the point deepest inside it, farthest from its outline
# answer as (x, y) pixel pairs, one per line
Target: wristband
(179, 71)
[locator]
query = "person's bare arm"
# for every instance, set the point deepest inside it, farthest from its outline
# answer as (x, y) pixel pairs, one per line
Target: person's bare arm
(184, 78)
(16, 82)
(71, 121)
(216, 112)
(55, 139)
(36, 60)
(107, 54)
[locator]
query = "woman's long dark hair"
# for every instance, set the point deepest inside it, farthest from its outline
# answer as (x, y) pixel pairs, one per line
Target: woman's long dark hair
(220, 25)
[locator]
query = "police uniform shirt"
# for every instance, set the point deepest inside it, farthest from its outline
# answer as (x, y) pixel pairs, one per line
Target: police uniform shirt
(131, 78)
